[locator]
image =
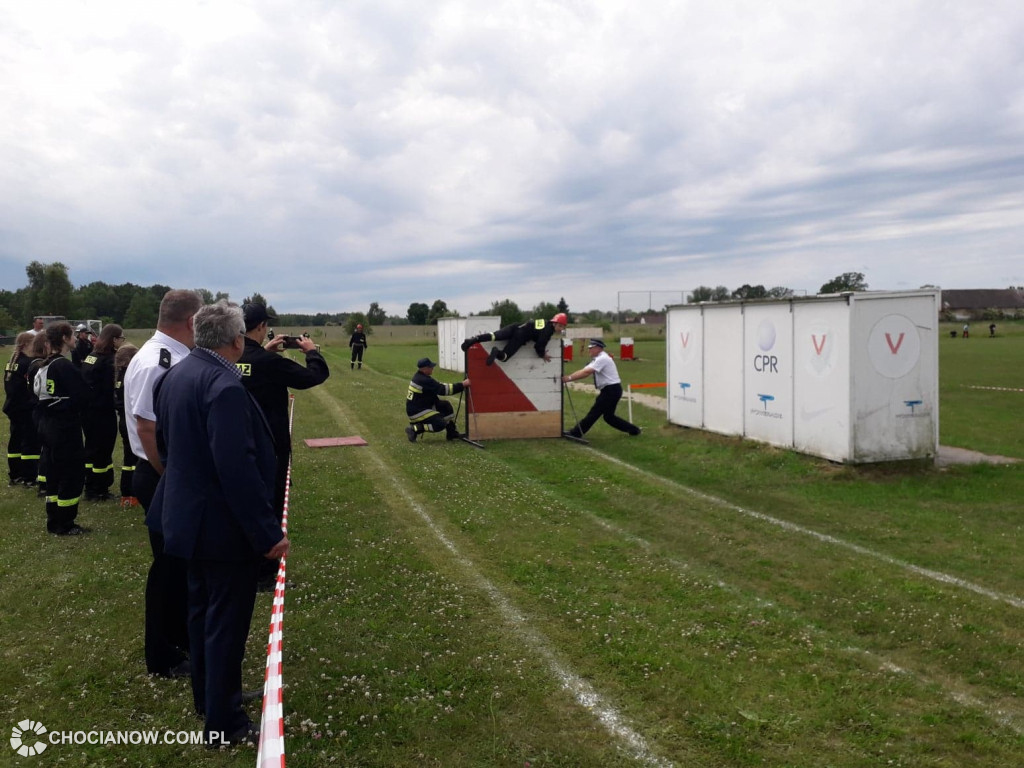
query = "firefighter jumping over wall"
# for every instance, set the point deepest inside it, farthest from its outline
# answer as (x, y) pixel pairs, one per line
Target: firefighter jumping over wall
(537, 331)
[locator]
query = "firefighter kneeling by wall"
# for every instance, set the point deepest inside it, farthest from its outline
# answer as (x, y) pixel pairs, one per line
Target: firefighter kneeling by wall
(426, 410)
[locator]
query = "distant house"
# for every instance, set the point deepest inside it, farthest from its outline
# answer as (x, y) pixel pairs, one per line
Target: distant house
(983, 303)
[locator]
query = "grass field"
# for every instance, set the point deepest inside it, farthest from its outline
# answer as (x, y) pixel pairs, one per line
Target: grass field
(678, 599)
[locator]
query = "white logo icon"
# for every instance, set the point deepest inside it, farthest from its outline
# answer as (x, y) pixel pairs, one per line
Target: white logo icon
(24, 732)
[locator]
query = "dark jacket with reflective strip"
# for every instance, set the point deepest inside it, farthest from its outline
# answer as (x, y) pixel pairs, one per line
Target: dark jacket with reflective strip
(19, 396)
(421, 402)
(537, 331)
(269, 376)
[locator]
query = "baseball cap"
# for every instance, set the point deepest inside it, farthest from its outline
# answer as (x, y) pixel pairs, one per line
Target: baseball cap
(596, 343)
(255, 314)
(425, 362)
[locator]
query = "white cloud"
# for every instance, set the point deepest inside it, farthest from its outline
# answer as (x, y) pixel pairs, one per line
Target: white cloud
(576, 148)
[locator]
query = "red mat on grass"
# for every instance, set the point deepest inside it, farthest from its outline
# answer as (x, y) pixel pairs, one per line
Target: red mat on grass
(331, 442)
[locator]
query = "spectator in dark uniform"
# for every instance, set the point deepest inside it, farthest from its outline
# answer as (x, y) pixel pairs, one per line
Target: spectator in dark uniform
(358, 344)
(268, 376)
(40, 351)
(122, 358)
(537, 331)
(215, 504)
(63, 396)
(83, 346)
(426, 410)
(19, 402)
(100, 418)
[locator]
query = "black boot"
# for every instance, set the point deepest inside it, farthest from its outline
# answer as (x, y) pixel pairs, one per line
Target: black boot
(495, 354)
(469, 343)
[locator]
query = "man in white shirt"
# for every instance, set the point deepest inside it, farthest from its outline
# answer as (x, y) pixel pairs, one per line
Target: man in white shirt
(167, 583)
(609, 385)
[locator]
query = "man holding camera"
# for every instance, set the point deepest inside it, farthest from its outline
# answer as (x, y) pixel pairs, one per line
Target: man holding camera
(268, 376)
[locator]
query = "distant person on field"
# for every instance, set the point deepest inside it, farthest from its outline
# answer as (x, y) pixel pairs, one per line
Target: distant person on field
(537, 331)
(358, 344)
(992, 331)
(37, 325)
(966, 330)
(426, 410)
(609, 385)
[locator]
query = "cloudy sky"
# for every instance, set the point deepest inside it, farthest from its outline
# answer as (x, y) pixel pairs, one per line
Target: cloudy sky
(330, 154)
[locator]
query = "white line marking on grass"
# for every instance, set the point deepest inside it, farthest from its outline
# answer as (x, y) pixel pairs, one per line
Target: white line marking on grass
(964, 699)
(944, 578)
(998, 715)
(585, 695)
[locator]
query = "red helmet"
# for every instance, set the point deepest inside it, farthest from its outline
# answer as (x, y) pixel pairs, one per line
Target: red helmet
(359, 326)
(560, 318)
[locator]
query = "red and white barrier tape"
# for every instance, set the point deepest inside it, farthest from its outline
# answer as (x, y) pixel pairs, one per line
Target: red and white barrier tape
(271, 746)
(997, 389)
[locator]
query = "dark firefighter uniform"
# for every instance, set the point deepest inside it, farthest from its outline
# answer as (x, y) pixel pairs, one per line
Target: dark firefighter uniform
(537, 331)
(99, 422)
(268, 376)
(82, 349)
(129, 459)
(63, 395)
(426, 410)
(19, 402)
(358, 344)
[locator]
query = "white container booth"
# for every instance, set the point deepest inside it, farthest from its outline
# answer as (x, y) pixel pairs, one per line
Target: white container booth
(452, 331)
(849, 377)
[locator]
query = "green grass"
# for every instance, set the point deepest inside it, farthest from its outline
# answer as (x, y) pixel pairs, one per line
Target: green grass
(446, 593)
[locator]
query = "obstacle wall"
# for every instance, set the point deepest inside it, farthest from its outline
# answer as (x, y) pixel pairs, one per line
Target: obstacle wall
(851, 377)
(452, 331)
(520, 398)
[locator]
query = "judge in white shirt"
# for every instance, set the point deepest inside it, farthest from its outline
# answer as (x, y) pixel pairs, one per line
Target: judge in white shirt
(609, 385)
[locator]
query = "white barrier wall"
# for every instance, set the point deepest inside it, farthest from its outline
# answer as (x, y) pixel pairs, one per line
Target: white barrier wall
(452, 331)
(851, 377)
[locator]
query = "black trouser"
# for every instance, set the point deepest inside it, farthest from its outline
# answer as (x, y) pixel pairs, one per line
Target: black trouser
(221, 596)
(442, 421)
(268, 568)
(607, 400)
(166, 590)
(129, 458)
(22, 447)
(100, 428)
(65, 473)
(515, 335)
(357, 354)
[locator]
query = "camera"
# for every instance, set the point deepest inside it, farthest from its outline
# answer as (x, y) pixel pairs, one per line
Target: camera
(292, 342)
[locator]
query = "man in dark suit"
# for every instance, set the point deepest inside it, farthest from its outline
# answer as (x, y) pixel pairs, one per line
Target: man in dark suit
(215, 502)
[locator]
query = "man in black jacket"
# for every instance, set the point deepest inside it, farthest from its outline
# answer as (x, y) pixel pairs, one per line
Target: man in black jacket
(268, 376)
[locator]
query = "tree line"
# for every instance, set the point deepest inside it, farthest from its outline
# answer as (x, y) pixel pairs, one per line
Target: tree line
(49, 292)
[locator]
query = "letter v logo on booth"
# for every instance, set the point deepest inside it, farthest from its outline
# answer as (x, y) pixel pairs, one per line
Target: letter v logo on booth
(685, 338)
(899, 342)
(818, 347)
